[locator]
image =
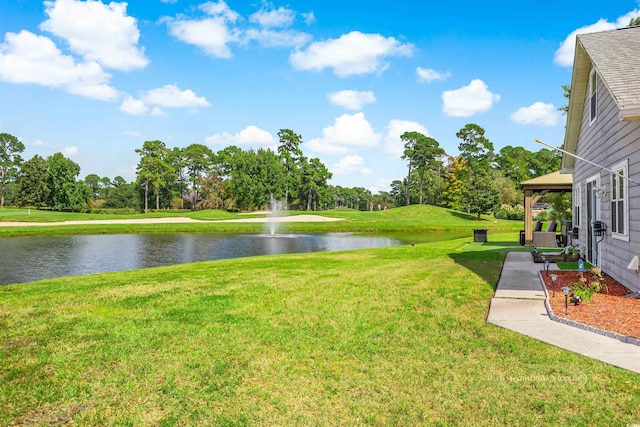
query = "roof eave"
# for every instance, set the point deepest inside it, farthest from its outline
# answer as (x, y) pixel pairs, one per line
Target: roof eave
(579, 80)
(552, 181)
(630, 113)
(565, 171)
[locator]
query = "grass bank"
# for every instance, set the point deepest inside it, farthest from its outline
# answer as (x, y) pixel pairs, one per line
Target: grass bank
(392, 336)
(412, 218)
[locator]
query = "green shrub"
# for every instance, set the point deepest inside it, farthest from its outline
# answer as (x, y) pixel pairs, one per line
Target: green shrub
(123, 211)
(542, 216)
(511, 214)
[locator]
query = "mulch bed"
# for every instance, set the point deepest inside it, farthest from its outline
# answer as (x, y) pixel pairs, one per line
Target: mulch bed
(607, 310)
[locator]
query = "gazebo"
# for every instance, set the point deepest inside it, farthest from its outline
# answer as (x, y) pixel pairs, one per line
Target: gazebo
(534, 189)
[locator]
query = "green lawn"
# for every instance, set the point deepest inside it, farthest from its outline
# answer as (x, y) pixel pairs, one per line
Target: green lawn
(35, 215)
(411, 218)
(392, 336)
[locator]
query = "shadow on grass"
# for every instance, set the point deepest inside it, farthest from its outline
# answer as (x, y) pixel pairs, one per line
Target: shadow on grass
(507, 246)
(467, 216)
(486, 259)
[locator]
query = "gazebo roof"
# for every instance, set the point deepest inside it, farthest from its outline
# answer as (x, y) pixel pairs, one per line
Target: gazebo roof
(554, 181)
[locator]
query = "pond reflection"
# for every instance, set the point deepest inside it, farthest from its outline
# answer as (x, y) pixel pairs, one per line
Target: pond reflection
(26, 259)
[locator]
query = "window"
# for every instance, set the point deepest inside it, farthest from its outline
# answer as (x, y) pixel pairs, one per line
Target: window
(619, 204)
(577, 202)
(593, 94)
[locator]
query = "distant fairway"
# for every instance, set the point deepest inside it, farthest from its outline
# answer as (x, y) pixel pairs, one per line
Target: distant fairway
(416, 218)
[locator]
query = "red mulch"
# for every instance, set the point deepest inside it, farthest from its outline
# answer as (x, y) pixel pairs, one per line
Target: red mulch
(609, 311)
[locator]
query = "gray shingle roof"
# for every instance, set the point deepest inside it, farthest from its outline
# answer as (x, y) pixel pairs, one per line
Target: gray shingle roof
(616, 56)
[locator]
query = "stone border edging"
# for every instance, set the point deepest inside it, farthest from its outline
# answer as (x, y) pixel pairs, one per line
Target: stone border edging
(573, 323)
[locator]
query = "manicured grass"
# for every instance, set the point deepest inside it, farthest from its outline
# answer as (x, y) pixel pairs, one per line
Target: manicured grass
(35, 215)
(573, 265)
(393, 336)
(411, 218)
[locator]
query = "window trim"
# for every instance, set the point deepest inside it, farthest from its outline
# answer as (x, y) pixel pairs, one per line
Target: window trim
(593, 96)
(577, 203)
(615, 169)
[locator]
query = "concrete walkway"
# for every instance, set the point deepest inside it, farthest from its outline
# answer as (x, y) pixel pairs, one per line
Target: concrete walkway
(518, 304)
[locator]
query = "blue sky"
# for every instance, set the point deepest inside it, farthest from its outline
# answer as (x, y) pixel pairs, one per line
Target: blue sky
(95, 80)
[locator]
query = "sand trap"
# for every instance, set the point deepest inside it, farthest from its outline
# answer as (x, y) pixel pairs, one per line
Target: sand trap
(292, 218)
(101, 222)
(174, 220)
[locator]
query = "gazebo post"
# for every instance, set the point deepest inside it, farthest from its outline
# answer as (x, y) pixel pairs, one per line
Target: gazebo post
(528, 218)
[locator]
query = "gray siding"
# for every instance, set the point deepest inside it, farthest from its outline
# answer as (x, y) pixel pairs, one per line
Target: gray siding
(608, 141)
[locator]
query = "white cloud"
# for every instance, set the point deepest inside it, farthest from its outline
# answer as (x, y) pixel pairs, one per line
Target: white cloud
(132, 133)
(355, 53)
(172, 97)
(309, 18)
(272, 31)
(351, 99)
(565, 53)
(537, 113)
(383, 184)
(219, 8)
(93, 89)
(349, 133)
(130, 171)
(215, 32)
(351, 165)
(281, 17)
(468, 100)
(254, 135)
(427, 75)
(251, 136)
(29, 58)
(135, 107)
(39, 143)
(211, 34)
(393, 145)
(270, 38)
(168, 96)
(70, 151)
(96, 31)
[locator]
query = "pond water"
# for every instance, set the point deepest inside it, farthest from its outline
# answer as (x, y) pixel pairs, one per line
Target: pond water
(26, 259)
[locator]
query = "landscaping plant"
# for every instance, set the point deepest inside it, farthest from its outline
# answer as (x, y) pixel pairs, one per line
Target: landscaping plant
(585, 287)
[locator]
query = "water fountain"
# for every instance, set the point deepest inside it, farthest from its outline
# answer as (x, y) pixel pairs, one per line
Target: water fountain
(273, 223)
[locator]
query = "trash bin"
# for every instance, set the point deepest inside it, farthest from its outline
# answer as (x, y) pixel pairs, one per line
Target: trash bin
(521, 237)
(479, 234)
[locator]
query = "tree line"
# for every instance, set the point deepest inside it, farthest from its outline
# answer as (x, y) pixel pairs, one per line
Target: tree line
(478, 180)
(195, 177)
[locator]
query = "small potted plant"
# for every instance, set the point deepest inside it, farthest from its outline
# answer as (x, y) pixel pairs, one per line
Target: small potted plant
(571, 253)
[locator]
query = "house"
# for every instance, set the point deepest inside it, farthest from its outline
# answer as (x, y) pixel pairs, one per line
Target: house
(603, 132)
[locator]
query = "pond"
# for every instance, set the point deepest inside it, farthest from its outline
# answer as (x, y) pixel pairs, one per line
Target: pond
(27, 259)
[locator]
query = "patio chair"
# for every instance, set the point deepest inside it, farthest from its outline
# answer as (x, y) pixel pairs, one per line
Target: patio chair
(537, 226)
(546, 239)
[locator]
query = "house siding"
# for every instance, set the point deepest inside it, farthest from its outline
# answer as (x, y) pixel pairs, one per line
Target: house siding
(607, 142)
